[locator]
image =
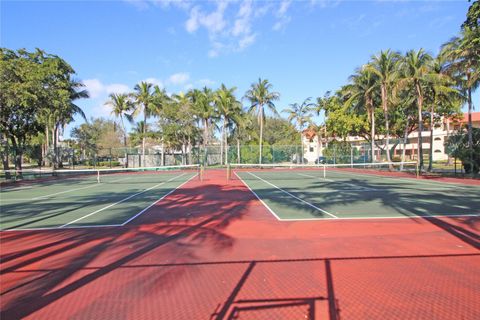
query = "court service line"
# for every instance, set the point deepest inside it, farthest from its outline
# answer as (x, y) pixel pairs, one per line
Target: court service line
(295, 197)
(260, 199)
(118, 202)
(156, 201)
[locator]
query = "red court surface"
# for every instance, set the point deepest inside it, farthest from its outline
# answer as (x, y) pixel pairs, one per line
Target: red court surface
(211, 250)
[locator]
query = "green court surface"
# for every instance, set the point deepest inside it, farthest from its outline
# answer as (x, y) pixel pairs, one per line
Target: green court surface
(307, 195)
(83, 202)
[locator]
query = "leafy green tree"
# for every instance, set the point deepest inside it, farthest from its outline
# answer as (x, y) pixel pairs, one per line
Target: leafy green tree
(473, 16)
(458, 146)
(300, 115)
(37, 89)
(260, 95)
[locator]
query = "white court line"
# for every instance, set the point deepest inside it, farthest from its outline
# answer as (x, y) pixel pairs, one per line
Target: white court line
(156, 201)
(411, 180)
(295, 197)
(123, 200)
(383, 218)
(70, 227)
(339, 182)
(256, 195)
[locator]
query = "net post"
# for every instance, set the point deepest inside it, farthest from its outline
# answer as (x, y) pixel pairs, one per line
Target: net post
(324, 171)
(201, 172)
(229, 173)
(98, 176)
(417, 170)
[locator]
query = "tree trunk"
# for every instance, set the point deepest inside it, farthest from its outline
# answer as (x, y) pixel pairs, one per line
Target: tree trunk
(222, 142)
(372, 133)
(449, 161)
(55, 146)
(189, 150)
(238, 151)
(387, 125)
(225, 144)
(469, 128)
(6, 165)
(405, 140)
(430, 154)
(124, 142)
(420, 128)
(17, 160)
(205, 141)
(144, 135)
(261, 137)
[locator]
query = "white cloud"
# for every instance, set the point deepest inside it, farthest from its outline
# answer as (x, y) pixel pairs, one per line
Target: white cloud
(282, 17)
(205, 82)
(97, 89)
(178, 78)
(214, 22)
(154, 81)
(94, 87)
(117, 88)
(246, 41)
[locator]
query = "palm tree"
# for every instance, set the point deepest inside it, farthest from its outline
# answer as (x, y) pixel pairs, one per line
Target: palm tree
(204, 110)
(300, 114)
(360, 93)
(63, 113)
(144, 102)
(227, 107)
(462, 55)
(384, 66)
(416, 69)
(443, 98)
(260, 95)
(121, 104)
(243, 122)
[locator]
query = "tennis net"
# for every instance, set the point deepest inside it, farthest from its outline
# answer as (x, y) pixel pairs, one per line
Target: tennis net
(316, 171)
(114, 175)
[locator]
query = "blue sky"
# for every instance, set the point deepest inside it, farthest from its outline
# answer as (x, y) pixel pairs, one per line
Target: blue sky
(304, 48)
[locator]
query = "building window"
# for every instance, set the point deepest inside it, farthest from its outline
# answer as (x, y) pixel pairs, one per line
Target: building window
(438, 139)
(438, 151)
(311, 149)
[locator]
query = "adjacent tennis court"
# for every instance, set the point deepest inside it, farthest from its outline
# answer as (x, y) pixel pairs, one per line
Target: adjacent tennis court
(362, 191)
(87, 198)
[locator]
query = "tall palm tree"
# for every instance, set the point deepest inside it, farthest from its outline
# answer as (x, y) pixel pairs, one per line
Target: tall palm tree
(144, 102)
(121, 105)
(260, 95)
(462, 55)
(416, 72)
(443, 98)
(63, 112)
(227, 107)
(360, 94)
(300, 115)
(385, 67)
(204, 110)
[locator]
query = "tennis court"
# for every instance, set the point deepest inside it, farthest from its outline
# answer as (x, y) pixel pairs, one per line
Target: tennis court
(87, 198)
(363, 191)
